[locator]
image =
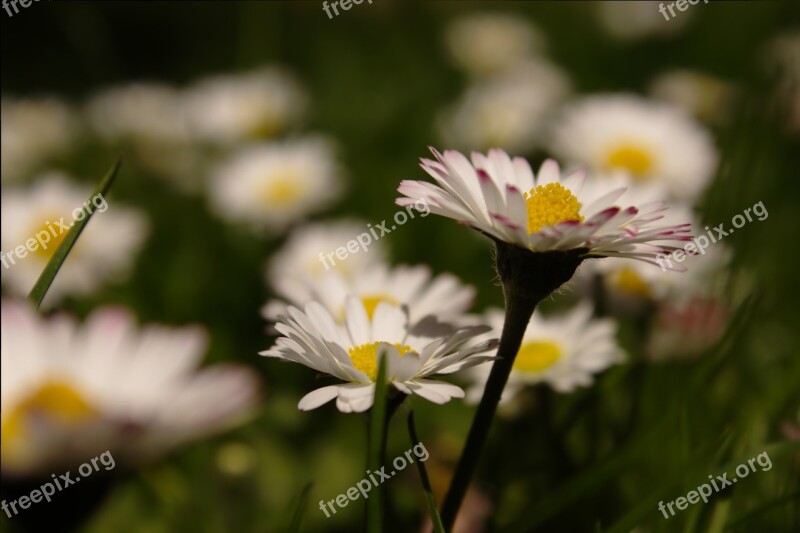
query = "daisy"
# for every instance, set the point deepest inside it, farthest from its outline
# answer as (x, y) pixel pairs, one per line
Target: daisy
(270, 186)
(646, 140)
(70, 390)
(565, 351)
(33, 131)
(103, 253)
(699, 94)
(488, 43)
(296, 267)
(632, 21)
(349, 352)
(233, 108)
(506, 110)
(443, 296)
(500, 197)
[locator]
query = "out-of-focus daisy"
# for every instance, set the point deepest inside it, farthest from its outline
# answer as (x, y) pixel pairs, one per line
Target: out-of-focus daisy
(507, 110)
(699, 94)
(350, 352)
(143, 112)
(71, 390)
(646, 140)
(631, 21)
(270, 186)
(500, 197)
(687, 327)
(104, 252)
(255, 105)
(565, 351)
(34, 130)
(443, 296)
(296, 267)
(488, 43)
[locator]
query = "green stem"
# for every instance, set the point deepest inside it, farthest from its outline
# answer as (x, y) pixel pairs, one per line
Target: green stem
(517, 316)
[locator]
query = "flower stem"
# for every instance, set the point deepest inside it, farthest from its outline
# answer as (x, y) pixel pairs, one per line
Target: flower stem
(528, 277)
(517, 315)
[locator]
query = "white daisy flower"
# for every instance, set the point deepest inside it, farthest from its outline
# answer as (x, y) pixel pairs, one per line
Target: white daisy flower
(350, 352)
(233, 108)
(631, 21)
(270, 186)
(103, 254)
(33, 131)
(647, 140)
(699, 94)
(565, 351)
(500, 197)
(70, 390)
(507, 110)
(685, 328)
(488, 43)
(443, 296)
(297, 266)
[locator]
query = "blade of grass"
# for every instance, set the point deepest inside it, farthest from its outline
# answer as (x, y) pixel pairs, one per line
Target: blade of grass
(438, 527)
(377, 444)
(47, 276)
(294, 527)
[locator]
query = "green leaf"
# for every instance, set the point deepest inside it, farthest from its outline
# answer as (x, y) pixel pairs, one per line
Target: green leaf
(377, 442)
(300, 509)
(47, 276)
(438, 527)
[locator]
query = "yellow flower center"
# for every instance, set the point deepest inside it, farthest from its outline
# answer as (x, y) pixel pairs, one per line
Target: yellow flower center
(53, 402)
(534, 357)
(632, 157)
(550, 204)
(55, 241)
(365, 357)
(627, 280)
(285, 189)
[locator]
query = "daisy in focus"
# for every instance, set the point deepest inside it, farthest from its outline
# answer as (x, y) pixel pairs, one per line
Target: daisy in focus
(648, 141)
(296, 267)
(443, 297)
(503, 199)
(234, 108)
(564, 351)
(349, 351)
(109, 385)
(103, 254)
(270, 186)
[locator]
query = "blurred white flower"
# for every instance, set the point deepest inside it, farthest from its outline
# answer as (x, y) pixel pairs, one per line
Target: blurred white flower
(507, 111)
(270, 186)
(487, 43)
(295, 268)
(630, 21)
(103, 254)
(259, 104)
(34, 130)
(350, 352)
(565, 351)
(139, 112)
(699, 94)
(649, 141)
(686, 328)
(443, 297)
(70, 390)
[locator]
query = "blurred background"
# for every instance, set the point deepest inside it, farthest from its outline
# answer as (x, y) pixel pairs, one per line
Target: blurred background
(196, 95)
